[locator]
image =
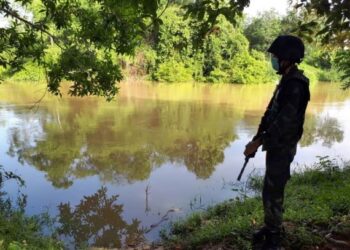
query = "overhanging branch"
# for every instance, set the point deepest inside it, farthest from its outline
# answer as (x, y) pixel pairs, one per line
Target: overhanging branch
(14, 14)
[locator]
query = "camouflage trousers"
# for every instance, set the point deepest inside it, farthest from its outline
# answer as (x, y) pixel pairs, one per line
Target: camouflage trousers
(276, 177)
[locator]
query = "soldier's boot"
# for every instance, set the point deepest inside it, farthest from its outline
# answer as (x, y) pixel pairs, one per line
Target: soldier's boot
(273, 241)
(260, 235)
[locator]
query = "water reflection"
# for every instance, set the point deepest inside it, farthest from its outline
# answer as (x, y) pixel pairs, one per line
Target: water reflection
(162, 145)
(97, 221)
(321, 129)
(125, 144)
(125, 141)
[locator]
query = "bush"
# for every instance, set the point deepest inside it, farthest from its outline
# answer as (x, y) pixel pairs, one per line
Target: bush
(310, 72)
(246, 69)
(173, 71)
(224, 56)
(316, 74)
(217, 75)
(331, 75)
(30, 72)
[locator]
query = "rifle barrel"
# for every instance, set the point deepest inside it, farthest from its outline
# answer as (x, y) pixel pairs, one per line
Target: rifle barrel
(243, 168)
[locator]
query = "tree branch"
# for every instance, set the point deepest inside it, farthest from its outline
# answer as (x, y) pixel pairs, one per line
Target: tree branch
(14, 14)
(159, 16)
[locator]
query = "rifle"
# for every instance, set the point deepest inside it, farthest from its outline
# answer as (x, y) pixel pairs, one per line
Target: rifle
(243, 168)
(244, 165)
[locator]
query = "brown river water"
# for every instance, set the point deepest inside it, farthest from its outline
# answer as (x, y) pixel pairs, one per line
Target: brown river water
(113, 173)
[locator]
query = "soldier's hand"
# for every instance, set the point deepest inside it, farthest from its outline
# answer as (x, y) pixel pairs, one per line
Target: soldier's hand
(252, 147)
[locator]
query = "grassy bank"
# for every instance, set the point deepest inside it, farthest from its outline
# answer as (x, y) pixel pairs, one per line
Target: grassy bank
(317, 203)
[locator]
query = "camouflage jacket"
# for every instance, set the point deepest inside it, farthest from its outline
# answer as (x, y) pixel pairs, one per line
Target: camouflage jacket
(281, 127)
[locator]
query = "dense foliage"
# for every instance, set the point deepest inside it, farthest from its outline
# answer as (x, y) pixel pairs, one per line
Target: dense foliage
(74, 40)
(319, 61)
(263, 29)
(86, 42)
(329, 22)
(224, 56)
(87, 35)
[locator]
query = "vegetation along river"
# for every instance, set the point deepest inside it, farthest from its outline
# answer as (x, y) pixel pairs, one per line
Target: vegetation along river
(118, 170)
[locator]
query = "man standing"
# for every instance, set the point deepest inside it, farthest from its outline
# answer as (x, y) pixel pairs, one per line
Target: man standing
(280, 129)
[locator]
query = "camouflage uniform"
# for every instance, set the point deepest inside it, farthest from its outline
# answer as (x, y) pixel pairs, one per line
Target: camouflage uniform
(280, 129)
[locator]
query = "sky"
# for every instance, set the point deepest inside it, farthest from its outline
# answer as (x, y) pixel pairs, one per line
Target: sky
(257, 6)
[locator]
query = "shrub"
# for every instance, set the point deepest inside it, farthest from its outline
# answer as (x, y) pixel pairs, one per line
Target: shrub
(310, 72)
(246, 69)
(331, 75)
(173, 71)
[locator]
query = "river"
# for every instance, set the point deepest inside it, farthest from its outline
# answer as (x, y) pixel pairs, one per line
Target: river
(114, 173)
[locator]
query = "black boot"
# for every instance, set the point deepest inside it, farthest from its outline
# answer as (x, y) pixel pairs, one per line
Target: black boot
(260, 235)
(265, 239)
(273, 241)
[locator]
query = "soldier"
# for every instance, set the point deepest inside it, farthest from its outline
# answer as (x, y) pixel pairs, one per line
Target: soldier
(280, 129)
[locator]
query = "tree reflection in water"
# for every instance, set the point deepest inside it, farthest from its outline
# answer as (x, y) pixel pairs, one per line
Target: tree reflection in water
(125, 141)
(97, 221)
(126, 145)
(321, 129)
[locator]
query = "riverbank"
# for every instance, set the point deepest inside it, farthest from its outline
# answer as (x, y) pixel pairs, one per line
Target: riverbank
(36, 74)
(317, 216)
(317, 213)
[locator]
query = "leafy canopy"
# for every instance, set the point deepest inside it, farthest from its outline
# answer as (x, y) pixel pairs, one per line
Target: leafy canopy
(87, 35)
(334, 29)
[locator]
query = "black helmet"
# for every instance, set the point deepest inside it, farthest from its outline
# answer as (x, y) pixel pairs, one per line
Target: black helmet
(288, 47)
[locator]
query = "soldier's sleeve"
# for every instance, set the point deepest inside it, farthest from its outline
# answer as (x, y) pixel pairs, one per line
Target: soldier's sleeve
(287, 116)
(263, 123)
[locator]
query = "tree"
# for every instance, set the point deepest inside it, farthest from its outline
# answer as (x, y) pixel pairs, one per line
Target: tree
(335, 29)
(207, 13)
(337, 18)
(222, 56)
(262, 30)
(87, 35)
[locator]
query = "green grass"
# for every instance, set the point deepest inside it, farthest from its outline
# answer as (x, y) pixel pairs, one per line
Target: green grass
(317, 199)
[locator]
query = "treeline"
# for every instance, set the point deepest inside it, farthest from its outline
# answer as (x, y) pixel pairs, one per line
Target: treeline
(224, 55)
(170, 52)
(227, 54)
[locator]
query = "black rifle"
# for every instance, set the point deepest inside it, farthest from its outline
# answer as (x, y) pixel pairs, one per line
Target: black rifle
(242, 170)
(245, 164)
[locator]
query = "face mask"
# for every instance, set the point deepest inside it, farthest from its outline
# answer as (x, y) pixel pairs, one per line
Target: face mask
(275, 64)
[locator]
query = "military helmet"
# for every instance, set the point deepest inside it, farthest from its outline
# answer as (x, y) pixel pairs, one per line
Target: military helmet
(288, 47)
